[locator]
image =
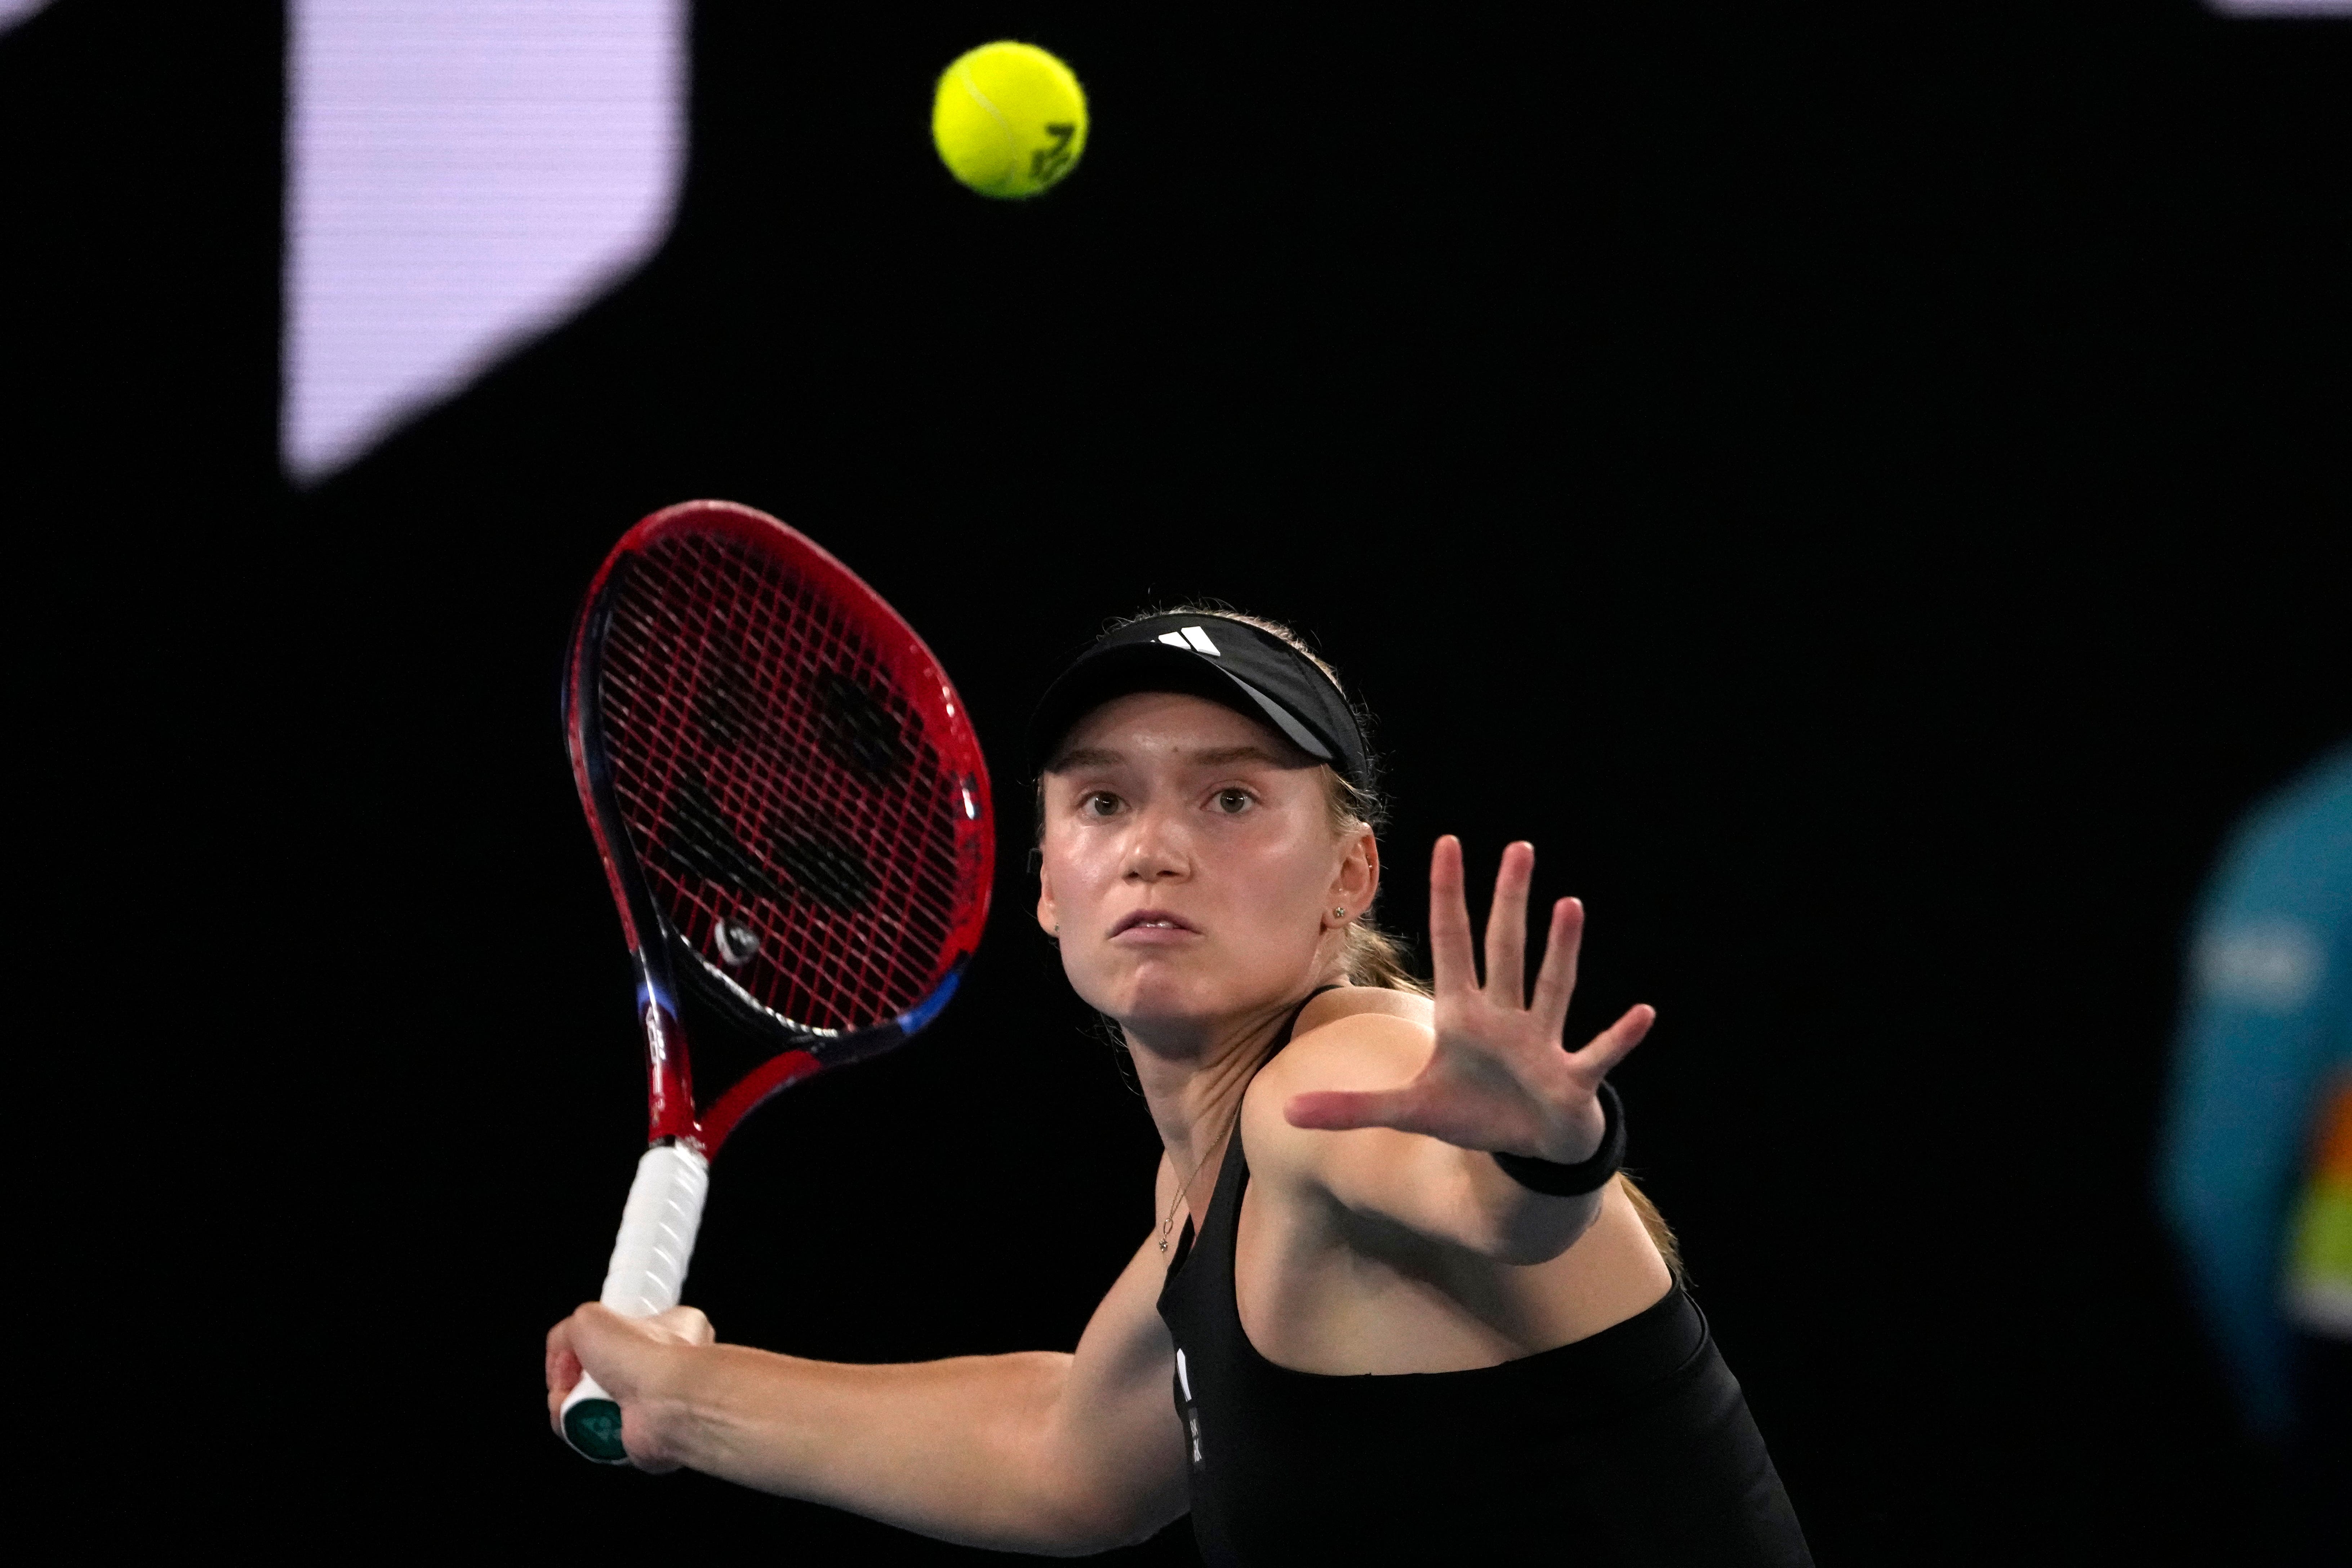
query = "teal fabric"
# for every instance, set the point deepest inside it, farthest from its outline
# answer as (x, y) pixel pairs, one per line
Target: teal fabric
(2266, 1033)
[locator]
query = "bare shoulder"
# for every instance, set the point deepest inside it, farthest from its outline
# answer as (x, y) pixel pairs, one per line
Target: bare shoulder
(1360, 1037)
(1364, 1001)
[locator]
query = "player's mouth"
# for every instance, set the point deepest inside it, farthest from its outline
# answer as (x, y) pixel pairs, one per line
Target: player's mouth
(1146, 926)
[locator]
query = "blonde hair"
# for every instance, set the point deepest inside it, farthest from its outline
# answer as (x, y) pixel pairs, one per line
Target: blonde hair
(1369, 954)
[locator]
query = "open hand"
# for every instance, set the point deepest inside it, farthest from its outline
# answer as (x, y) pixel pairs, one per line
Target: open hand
(1501, 1077)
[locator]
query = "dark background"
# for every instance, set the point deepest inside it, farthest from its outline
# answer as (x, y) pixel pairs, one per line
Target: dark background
(1864, 496)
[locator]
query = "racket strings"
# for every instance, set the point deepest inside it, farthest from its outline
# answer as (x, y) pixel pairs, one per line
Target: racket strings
(795, 818)
(824, 868)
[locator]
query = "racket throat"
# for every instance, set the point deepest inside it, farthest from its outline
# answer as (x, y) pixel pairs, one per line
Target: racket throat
(670, 1079)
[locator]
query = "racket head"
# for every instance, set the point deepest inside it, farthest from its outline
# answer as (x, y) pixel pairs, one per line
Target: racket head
(786, 790)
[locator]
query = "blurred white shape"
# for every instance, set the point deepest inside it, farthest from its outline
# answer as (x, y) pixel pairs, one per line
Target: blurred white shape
(462, 174)
(2322, 1304)
(2271, 966)
(14, 11)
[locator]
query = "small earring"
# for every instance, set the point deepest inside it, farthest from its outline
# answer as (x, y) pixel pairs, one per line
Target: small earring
(1058, 931)
(1338, 913)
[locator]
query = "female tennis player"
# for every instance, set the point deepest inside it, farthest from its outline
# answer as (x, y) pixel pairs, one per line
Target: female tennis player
(1405, 1306)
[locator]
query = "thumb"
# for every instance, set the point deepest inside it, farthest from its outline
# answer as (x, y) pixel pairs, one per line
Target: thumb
(601, 1340)
(1335, 1110)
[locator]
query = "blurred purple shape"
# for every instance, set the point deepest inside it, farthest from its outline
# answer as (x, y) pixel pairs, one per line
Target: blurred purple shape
(462, 176)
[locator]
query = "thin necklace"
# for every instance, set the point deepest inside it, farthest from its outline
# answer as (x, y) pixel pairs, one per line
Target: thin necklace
(1167, 1225)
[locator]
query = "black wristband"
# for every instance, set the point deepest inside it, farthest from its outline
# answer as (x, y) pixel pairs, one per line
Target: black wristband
(1558, 1181)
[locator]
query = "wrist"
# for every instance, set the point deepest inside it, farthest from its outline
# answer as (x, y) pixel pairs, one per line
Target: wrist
(1578, 1137)
(1560, 1178)
(669, 1405)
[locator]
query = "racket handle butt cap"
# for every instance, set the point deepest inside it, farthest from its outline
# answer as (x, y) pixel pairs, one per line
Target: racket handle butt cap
(592, 1423)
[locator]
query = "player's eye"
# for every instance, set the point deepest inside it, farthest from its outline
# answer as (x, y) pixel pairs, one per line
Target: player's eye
(1233, 800)
(1099, 802)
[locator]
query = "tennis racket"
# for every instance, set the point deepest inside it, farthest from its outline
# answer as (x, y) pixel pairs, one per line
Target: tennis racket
(794, 816)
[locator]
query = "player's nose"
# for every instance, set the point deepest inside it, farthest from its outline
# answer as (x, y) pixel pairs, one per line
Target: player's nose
(1156, 849)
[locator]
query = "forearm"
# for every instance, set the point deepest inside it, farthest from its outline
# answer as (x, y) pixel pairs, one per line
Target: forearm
(955, 1450)
(1463, 1197)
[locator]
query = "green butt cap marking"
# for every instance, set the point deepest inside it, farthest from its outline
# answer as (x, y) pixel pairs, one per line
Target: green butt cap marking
(594, 1427)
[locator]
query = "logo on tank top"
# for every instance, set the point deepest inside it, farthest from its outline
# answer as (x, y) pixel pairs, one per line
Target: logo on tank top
(1184, 1405)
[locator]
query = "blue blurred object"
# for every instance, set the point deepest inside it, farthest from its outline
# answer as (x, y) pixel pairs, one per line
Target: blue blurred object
(2265, 1045)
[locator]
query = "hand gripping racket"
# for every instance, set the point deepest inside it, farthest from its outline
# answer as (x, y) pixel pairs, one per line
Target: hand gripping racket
(794, 817)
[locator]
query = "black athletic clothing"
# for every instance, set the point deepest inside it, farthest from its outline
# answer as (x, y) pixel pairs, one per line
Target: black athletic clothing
(1633, 1446)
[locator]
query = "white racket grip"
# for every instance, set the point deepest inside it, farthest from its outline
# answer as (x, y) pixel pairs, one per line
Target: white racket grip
(645, 1275)
(656, 1240)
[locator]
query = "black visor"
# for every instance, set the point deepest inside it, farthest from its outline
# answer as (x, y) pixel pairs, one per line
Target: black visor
(1254, 673)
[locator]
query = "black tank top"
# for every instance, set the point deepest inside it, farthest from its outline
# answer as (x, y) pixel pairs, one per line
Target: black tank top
(1632, 1447)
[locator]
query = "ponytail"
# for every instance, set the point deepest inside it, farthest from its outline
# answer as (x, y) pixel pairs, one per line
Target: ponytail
(1373, 957)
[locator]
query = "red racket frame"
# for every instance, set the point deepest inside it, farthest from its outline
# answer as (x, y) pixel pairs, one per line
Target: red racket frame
(653, 944)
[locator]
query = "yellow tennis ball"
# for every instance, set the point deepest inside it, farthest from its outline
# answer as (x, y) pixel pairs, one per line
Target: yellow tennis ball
(1009, 120)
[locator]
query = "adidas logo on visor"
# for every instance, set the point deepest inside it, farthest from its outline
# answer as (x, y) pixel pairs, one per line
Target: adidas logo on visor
(1192, 638)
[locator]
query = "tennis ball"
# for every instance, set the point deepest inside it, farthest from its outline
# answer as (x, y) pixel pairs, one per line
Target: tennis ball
(1009, 120)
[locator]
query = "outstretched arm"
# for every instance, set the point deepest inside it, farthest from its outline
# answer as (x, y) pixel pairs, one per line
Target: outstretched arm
(1424, 1108)
(1049, 1453)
